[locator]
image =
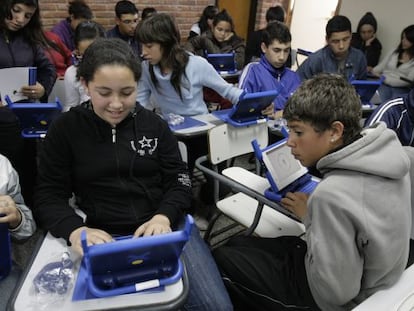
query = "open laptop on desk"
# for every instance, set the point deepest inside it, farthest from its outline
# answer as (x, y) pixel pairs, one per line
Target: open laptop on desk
(248, 110)
(284, 173)
(130, 265)
(224, 63)
(35, 118)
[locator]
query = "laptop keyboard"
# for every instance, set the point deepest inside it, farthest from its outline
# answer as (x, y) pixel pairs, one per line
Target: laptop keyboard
(309, 187)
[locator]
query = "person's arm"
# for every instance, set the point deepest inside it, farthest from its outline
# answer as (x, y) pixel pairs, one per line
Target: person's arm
(373, 53)
(330, 233)
(54, 183)
(20, 218)
(46, 72)
(72, 92)
(144, 88)
(210, 78)
(309, 68)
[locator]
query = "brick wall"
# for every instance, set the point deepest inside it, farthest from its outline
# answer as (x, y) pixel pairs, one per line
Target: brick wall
(186, 12)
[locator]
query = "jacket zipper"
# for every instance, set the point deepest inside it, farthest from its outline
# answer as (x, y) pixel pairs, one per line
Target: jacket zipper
(113, 135)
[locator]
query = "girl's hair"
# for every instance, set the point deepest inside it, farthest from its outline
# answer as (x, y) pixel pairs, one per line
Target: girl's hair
(32, 32)
(208, 13)
(161, 28)
(324, 99)
(409, 34)
(108, 51)
(223, 16)
(88, 30)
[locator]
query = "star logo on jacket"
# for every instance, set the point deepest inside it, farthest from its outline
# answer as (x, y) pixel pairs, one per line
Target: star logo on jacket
(146, 146)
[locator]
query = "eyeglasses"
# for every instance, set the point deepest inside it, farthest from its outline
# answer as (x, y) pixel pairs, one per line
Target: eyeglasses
(129, 21)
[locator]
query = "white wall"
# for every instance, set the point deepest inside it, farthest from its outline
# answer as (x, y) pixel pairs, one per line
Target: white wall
(310, 17)
(392, 17)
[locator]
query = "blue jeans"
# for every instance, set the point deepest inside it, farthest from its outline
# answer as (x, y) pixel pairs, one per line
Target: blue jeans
(207, 291)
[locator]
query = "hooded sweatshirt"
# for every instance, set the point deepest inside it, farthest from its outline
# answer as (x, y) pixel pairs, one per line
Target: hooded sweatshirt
(121, 176)
(359, 220)
(398, 114)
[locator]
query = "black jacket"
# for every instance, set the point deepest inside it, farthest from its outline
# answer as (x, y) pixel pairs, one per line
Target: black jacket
(121, 176)
(372, 52)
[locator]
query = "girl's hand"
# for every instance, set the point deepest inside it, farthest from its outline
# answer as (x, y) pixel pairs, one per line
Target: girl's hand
(93, 236)
(157, 225)
(33, 91)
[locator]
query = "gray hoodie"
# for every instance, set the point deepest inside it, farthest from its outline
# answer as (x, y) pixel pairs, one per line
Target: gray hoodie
(359, 220)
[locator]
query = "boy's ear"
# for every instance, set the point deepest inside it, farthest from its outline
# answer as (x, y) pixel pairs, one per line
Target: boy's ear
(263, 47)
(337, 130)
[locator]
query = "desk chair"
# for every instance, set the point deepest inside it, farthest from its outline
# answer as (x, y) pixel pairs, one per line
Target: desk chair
(247, 203)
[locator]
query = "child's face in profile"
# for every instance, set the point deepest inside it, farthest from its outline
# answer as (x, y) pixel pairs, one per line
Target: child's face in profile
(308, 145)
(276, 53)
(113, 92)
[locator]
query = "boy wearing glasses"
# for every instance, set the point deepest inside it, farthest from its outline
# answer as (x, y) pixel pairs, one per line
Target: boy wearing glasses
(337, 56)
(126, 22)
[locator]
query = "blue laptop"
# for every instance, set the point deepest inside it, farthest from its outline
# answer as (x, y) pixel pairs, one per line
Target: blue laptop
(224, 63)
(366, 89)
(130, 265)
(248, 110)
(35, 118)
(284, 173)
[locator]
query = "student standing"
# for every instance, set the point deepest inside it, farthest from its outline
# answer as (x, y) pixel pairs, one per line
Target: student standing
(337, 56)
(357, 235)
(271, 73)
(140, 186)
(21, 39)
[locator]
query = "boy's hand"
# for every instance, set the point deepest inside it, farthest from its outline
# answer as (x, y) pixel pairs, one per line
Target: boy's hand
(296, 203)
(156, 225)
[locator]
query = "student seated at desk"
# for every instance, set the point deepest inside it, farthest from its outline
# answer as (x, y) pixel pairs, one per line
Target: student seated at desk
(357, 234)
(271, 73)
(174, 78)
(221, 38)
(337, 56)
(19, 218)
(123, 164)
(398, 114)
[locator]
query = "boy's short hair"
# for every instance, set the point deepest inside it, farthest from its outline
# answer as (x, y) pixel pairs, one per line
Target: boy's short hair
(276, 31)
(338, 23)
(323, 99)
(79, 9)
(275, 13)
(125, 7)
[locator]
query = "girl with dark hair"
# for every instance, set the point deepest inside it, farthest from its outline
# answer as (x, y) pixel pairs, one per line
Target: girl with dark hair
(398, 67)
(140, 187)
(205, 22)
(221, 38)
(174, 78)
(85, 33)
(365, 39)
(21, 41)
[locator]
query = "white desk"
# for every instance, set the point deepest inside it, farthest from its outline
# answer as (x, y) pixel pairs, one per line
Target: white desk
(51, 249)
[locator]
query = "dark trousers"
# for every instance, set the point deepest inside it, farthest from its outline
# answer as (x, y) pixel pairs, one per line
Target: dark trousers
(265, 273)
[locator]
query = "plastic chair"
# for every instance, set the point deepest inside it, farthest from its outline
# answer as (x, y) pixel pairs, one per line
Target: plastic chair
(247, 203)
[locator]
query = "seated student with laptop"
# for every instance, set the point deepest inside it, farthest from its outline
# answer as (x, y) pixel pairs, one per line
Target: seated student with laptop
(123, 165)
(357, 234)
(271, 73)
